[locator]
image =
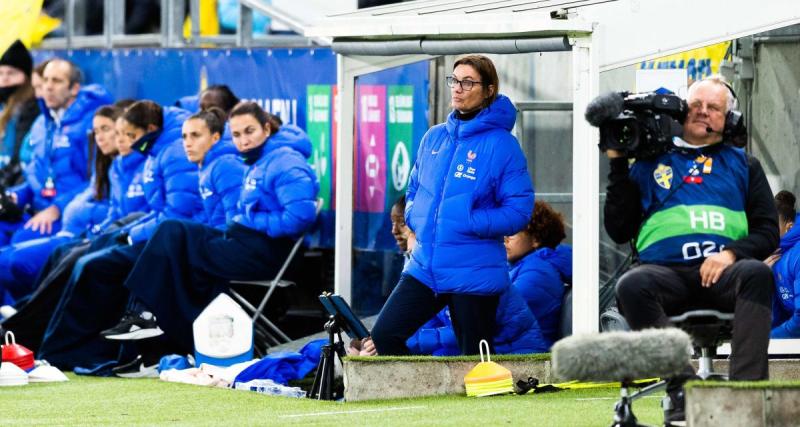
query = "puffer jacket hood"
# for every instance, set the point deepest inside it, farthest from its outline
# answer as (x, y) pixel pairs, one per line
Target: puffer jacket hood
(292, 137)
(539, 280)
(89, 99)
(501, 114)
(469, 187)
(279, 192)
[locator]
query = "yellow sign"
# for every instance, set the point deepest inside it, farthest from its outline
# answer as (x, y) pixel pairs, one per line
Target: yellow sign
(699, 63)
(18, 20)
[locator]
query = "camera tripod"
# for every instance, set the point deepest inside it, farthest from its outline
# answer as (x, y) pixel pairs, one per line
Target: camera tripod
(322, 389)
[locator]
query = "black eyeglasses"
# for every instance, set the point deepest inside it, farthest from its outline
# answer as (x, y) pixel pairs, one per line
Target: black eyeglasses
(465, 84)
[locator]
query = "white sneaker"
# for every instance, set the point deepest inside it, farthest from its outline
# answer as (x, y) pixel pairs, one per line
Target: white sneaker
(11, 374)
(7, 311)
(136, 369)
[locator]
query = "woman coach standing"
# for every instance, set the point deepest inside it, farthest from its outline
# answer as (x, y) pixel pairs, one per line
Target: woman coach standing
(469, 188)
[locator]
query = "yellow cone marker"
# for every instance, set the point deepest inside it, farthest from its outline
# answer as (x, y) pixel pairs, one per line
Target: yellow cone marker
(488, 378)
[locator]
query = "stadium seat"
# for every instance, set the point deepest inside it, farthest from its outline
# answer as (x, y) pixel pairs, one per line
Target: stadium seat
(261, 324)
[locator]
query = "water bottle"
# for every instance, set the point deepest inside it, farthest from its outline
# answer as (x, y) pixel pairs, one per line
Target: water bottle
(271, 388)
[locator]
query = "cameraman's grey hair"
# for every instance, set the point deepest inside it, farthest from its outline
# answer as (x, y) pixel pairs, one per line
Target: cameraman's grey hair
(732, 102)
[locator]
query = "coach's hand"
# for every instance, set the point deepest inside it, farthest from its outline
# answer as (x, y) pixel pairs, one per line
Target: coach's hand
(714, 266)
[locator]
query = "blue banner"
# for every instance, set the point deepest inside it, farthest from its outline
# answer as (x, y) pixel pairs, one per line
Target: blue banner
(275, 78)
(391, 163)
(299, 85)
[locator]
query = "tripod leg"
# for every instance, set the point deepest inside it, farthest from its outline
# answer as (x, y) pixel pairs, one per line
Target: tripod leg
(328, 384)
(319, 377)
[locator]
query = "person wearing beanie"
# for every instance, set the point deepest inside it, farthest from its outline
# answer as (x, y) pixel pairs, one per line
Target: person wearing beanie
(18, 110)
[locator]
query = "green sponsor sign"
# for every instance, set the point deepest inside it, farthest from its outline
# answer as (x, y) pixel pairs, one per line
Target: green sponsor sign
(400, 127)
(318, 127)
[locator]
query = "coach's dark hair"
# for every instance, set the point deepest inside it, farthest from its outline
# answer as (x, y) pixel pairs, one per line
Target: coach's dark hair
(485, 67)
(142, 114)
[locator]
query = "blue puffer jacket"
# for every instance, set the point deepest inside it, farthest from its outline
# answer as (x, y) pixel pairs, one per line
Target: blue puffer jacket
(517, 331)
(786, 302)
(221, 183)
(60, 151)
(170, 180)
(280, 189)
(84, 212)
(127, 190)
(469, 188)
(539, 277)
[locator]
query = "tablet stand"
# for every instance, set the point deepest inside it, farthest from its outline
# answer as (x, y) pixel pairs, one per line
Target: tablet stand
(322, 389)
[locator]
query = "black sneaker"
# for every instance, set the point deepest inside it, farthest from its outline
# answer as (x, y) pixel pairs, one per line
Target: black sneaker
(134, 326)
(136, 369)
(674, 405)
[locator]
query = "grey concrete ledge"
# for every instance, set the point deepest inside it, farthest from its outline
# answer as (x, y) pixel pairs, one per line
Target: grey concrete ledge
(721, 406)
(367, 380)
(392, 378)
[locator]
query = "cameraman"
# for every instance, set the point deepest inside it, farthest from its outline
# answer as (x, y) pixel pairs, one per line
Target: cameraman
(702, 218)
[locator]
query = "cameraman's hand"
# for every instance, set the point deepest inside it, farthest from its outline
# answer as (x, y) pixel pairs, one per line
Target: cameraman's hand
(613, 154)
(43, 220)
(714, 266)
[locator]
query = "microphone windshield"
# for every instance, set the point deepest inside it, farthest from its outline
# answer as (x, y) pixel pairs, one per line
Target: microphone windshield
(604, 107)
(622, 356)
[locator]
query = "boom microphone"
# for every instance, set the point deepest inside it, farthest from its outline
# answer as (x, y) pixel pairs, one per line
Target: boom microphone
(622, 356)
(604, 107)
(709, 129)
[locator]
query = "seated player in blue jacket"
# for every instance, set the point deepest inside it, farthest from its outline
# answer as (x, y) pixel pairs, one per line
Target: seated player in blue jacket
(221, 169)
(786, 268)
(20, 262)
(185, 265)
(57, 171)
(221, 173)
(93, 299)
(540, 266)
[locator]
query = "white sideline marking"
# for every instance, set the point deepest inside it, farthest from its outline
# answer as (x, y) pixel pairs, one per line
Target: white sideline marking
(401, 408)
(615, 398)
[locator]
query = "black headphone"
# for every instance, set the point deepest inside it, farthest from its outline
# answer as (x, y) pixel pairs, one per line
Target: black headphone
(735, 130)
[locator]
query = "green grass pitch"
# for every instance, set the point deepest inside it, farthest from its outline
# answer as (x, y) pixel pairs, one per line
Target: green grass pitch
(112, 401)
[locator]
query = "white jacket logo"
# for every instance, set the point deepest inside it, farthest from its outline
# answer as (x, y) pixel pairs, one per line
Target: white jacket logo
(148, 176)
(206, 192)
(134, 190)
(61, 141)
(250, 184)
